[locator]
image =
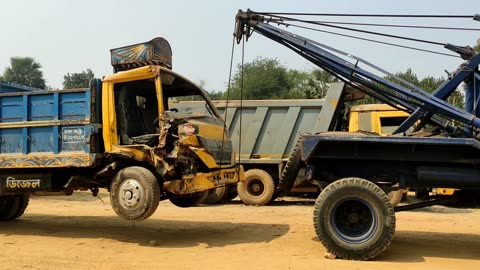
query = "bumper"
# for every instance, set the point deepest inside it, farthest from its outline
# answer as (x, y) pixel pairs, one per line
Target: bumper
(190, 184)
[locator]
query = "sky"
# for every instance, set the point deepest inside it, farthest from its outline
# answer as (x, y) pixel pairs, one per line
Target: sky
(71, 36)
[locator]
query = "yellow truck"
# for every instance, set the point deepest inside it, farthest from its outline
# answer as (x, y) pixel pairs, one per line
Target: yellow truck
(119, 134)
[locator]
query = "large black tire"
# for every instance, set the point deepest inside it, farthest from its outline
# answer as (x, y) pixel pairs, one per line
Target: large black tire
(257, 189)
(134, 193)
(9, 206)
(185, 201)
(291, 169)
(24, 200)
(215, 195)
(354, 219)
(231, 193)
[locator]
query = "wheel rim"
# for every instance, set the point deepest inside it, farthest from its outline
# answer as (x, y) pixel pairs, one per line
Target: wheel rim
(353, 220)
(255, 187)
(131, 194)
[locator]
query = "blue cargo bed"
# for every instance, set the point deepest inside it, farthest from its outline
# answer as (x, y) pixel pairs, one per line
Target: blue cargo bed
(47, 128)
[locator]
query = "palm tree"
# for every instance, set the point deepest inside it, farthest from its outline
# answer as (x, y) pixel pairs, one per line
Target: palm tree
(25, 71)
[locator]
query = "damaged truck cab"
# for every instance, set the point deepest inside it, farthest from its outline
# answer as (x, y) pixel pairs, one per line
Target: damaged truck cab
(139, 146)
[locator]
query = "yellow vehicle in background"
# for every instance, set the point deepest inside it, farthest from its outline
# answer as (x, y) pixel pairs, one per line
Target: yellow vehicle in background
(377, 118)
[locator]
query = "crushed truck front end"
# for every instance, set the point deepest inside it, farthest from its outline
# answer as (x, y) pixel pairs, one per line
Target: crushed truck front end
(190, 152)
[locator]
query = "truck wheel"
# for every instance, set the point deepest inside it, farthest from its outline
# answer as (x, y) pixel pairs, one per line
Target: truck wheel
(186, 201)
(354, 219)
(257, 189)
(290, 172)
(231, 193)
(24, 200)
(9, 206)
(134, 193)
(215, 195)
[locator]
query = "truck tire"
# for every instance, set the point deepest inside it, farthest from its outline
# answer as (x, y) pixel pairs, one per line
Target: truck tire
(231, 193)
(9, 206)
(257, 189)
(134, 193)
(215, 195)
(354, 219)
(291, 169)
(185, 201)
(24, 200)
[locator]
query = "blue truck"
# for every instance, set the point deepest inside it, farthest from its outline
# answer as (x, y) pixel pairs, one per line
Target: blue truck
(119, 134)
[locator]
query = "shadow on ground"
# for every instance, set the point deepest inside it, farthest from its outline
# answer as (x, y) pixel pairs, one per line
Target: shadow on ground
(415, 246)
(159, 233)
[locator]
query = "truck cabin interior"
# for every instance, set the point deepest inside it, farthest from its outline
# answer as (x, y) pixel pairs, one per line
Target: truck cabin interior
(137, 107)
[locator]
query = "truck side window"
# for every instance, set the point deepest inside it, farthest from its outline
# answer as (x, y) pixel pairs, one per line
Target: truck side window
(390, 124)
(136, 110)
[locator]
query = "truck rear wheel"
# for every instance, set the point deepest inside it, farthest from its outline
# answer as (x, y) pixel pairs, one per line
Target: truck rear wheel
(354, 219)
(215, 195)
(185, 201)
(231, 193)
(134, 193)
(24, 200)
(257, 189)
(9, 206)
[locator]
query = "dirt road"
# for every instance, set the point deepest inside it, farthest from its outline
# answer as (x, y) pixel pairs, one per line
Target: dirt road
(81, 232)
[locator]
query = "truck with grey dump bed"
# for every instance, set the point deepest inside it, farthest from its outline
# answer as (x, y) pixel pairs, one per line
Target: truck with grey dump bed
(270, 130)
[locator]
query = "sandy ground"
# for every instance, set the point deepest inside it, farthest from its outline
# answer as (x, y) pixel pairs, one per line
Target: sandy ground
(81, 232)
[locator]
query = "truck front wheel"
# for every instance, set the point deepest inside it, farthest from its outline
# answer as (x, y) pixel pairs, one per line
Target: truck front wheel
(257, 189)
(354, 219)
(134, 193)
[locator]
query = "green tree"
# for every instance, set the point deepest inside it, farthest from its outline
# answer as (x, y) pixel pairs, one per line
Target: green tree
(78, 80)
(318, 83)
(25, 71)
(263, 78)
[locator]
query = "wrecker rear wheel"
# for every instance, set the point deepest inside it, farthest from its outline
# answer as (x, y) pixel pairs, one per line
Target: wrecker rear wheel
(354, 219)
(134, 193)
(257, 189)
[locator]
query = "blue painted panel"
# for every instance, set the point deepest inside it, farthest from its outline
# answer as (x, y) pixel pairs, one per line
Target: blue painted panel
(65, 126)
(11, 109)
(40, 107)
(11, 140)
(41, 139)
(73, 106)
(73, 138)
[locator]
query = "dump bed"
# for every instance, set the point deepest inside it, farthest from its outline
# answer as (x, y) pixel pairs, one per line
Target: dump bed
(270, 128)
(48, 128)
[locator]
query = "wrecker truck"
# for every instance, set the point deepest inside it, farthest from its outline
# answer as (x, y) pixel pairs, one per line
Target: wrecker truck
(119, 134)
(352, 216)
